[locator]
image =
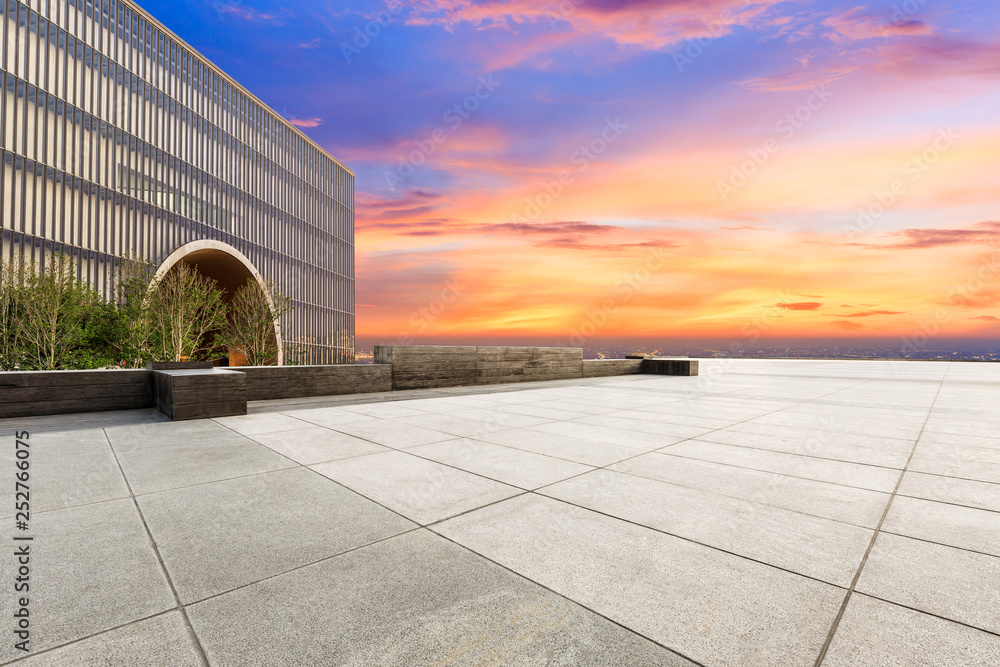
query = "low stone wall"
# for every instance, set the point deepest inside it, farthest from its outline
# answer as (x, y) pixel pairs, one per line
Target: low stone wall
(33, 393)
(27, 394)
(432, 366)
(272, 382)
(599, 368)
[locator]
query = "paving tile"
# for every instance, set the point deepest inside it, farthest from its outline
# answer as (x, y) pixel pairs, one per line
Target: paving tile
(317, 444)
(411, 600)
(983, 495)
(811, 445)
(832, 501)
(394, 434)
(421, 490)
(92, 569)
(516, 467)
(948, 466)
(329, 417)
(161, 468)
(827, 434)
(66, 471)
(165, 434)
(979, 426)
(154, 642)
(877, 633)
(385, 409)
(962, 527)
(468, 428)
(815, 547)
(688, 597)
(258, 526)
(569, 448)
(610, 436)
(643, 426)
(959, 585)
(808, 467)
(267, 422)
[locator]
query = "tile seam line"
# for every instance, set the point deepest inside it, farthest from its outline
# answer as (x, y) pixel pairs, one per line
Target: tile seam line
(607, 468)
(199, 649)
(783, 474)
(931, 614)
(871, 544)
(90, 636)
(566, 597)
(809, 456)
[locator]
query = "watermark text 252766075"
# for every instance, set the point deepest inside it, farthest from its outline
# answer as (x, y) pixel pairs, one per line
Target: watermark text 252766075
(22, 549)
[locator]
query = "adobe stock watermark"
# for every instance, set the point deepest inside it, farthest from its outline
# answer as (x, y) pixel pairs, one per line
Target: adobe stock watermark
(959, 296)
(563, 10)
(363, 35)
(581, 158)
(454, 117)
(751, 331)
(222, 8)
(786, 127)
(424, 316)
(695, 47)
(902, 13)
(626, 288)
(913, 169)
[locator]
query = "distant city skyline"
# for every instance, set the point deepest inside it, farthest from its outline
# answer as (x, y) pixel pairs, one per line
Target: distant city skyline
(716, 169)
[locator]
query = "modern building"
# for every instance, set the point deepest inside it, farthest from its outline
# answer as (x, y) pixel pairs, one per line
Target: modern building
(119, 138)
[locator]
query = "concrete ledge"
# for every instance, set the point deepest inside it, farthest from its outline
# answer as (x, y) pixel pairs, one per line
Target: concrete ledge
(200, 394)
(272, 382)
(662, 366)
(431, 366)
(595, 368)
(32, 393)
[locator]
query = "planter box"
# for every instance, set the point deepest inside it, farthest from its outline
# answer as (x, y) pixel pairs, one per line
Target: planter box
(200, 393)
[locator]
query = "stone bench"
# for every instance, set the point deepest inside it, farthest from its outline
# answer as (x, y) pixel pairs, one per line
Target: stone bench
(200, 393)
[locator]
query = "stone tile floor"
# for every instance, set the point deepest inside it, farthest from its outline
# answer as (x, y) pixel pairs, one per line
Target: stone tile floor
(764, 513)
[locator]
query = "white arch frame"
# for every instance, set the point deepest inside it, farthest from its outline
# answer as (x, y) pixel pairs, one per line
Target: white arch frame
(208, 244)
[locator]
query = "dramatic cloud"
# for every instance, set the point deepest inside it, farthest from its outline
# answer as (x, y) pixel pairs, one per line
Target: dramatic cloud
(987, 233)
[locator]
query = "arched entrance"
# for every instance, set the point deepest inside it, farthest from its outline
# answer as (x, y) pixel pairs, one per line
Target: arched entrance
(224, 264)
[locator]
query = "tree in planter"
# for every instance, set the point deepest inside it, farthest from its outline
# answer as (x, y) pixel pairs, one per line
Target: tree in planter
(11, 284)
(53, 311)
(184, 308)
(128, 325)
(250, 327)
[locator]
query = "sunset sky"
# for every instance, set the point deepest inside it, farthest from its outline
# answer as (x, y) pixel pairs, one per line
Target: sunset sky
(688, 168)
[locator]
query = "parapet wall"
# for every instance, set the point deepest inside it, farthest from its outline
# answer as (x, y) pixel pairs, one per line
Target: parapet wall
(34, 393)
(431, 366)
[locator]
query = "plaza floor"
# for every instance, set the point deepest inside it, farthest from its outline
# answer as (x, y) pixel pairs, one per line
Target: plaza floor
(764, 513)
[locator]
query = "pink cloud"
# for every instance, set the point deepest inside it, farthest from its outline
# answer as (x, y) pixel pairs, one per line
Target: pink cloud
(306, 122)
(860, 23)
(980, 233)
(648, 24)
(988, 318)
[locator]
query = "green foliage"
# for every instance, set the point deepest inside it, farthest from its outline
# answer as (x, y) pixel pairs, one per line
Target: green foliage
(126, 327)
(55, 311)
(184, 308)
(11, 285)
(250, 327)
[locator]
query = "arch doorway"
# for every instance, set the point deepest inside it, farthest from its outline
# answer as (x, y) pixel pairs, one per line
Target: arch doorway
(227, 266)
